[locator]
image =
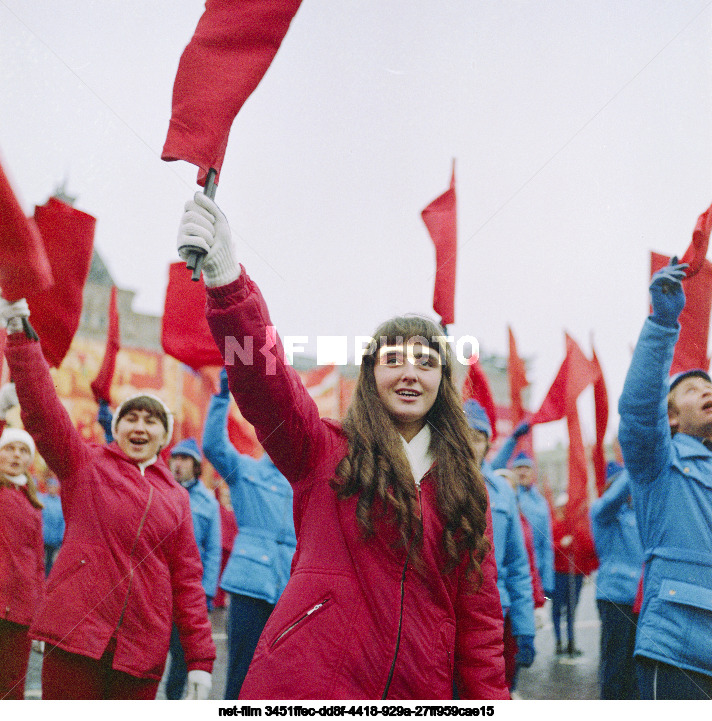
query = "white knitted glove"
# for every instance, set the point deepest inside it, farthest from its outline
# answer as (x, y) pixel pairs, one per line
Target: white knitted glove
(199, 685)
(8, 399)
(205, 228)
(11, 314)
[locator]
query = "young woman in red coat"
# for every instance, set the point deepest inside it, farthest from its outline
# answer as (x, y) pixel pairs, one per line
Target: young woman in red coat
(393, 586)
(21, 558)
(129, 566)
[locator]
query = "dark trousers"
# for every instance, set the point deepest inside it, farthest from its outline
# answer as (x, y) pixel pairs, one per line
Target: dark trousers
(177, 669)
(567, 587)
(246, 618)
(15, 645)
(69, 676)
(50, 555)
(658, 680)
(617, 669)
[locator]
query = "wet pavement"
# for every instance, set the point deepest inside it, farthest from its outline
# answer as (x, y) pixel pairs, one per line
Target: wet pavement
(551, 676)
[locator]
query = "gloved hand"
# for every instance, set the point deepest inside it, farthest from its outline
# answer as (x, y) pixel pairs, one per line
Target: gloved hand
(204, 227)
(525, 651)
(11, 314)
(224, 387)
(209, 602)
(521, 430)
(666, 293)
(199, 685)
(105, 416)
(8, 399)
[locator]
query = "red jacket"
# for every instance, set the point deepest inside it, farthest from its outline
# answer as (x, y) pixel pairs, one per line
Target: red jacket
(21, 556)
(129, 564)
(351, 603)
(537, 588)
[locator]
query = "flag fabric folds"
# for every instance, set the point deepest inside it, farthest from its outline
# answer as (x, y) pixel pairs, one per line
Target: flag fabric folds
(476, 386)
(691, 347)
(233, 46)
(517, 372)
(24, 266)
(185, 334)
(697, 250)
(600, 400)
(101, 385)
(68, 237)
(440, 218)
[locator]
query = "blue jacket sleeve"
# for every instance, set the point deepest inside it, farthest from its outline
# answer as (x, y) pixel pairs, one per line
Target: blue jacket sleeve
(504, 454)
(216, 443)
(644, 431)
(213, 552)
(519, 582)
(605, 509)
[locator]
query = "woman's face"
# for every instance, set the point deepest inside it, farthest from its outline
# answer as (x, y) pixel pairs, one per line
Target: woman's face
(407, 380)
(140, 435)
(15, 458)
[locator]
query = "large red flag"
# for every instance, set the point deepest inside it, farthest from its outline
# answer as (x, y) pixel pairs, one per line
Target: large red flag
(185, 334)
(68, 236)
(517, 372)
(600, 399)
(575, 374)
(440, 218)
(24, 266)
(476, 386)
(101, 385)
(229, 53)
(691, 347)
(697, 250)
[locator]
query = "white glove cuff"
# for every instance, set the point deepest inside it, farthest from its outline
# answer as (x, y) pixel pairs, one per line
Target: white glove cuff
(202, 678)
(220, 267)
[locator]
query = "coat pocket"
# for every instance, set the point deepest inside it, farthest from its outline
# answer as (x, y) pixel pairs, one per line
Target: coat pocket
(301, 621)
(686, 594)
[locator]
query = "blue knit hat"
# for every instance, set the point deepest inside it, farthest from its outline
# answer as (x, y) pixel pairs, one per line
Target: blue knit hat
(477, 417)
(523, 460)
(187, 447)
(677, 377)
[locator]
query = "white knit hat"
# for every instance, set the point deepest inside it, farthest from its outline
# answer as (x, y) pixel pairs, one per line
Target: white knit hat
(169, 415)
(17, 435)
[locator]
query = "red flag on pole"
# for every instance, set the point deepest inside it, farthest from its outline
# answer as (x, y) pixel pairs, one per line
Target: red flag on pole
(229, 53)
(476, 386)
(101, 385)
(575, 374)
(600, 399)
(185, 334)
(691, 347)
(24, 266)
(697, 250)
(68, 236)
(517, 372)
(440, 218)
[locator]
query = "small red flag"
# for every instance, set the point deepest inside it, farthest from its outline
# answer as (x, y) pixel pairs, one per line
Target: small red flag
(476, 386)
(517, 372)
(68, 236)
(185, 334)
(440, 218)
(697, 250)
(691, 347)
(600, 400)
(101, 385)
(575, 374)
(233, 46)
(24, 266)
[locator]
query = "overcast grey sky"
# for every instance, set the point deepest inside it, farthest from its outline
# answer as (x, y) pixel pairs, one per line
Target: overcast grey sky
(581, 132)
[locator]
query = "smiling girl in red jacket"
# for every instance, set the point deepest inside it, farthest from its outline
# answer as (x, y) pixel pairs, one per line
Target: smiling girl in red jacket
(129, 565)
(21, 558)
(393, 586)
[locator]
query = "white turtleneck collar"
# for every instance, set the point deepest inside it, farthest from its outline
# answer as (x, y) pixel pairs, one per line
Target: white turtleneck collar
(20, 480)
(418, 454)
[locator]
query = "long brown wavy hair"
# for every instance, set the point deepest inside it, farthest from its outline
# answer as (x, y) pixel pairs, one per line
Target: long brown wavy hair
(377, 470)
(29, 489)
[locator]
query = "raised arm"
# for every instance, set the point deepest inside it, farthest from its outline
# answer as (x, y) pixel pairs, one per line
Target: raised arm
(267, 389)
(507, 448)
(644, 431)
(605, 508)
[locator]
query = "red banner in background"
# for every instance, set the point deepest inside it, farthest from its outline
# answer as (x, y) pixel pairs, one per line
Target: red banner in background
(517, 372)
(101, 385)
(476, 386)
(697, 250)
(691, 347)
(600, 399)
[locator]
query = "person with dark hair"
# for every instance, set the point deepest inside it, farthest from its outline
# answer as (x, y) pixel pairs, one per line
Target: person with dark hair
(186, 464)
(21, 558)
(393, 588)
(665, 435)
(129, 564)
(258, 569)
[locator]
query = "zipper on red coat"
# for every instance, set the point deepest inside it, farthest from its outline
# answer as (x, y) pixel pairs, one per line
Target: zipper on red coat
(298, 621)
